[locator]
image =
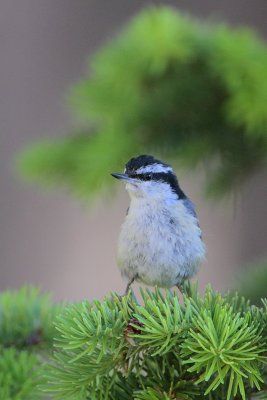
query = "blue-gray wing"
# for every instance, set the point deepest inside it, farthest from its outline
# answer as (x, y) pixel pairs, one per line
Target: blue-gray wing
(190, 206)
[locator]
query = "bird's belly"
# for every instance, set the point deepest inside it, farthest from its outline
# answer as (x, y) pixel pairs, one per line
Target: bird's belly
(157, 253)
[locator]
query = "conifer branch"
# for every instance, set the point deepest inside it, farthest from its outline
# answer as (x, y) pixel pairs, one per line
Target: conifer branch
(170, 83)
(161, 349)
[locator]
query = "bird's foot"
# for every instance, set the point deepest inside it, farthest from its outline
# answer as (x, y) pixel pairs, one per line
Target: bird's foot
(180, 288)
(128, 287)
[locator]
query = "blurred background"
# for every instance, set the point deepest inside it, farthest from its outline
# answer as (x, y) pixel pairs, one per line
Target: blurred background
(58, 241)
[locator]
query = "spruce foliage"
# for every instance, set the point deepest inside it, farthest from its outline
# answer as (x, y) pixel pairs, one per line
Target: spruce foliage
(212, 347)
(26, 318)
(26, 337)
(167, 84)
(19, 375)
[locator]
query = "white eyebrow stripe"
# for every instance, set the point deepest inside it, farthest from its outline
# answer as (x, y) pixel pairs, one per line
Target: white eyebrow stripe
(154, 168)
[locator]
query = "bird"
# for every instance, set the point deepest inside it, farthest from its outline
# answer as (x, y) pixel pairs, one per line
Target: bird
(160, 243)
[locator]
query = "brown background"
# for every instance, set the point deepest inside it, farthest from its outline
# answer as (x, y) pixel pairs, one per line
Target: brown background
(51, 239)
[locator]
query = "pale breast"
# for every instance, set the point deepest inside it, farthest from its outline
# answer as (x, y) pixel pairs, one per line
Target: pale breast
(160, 244)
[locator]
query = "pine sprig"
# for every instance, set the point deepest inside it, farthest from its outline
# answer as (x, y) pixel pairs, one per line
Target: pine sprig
(222, 345)
(164, 321)
(206, 347)
(90, 348)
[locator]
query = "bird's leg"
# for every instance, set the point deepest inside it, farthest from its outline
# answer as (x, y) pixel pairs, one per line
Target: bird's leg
(128, 287)
(180, 288)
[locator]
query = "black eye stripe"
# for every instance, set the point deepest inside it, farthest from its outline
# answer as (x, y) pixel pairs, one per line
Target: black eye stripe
(143, 177)
(165, 177)
(156, 176)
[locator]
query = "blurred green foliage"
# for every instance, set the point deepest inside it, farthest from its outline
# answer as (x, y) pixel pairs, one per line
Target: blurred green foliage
(252, 282)
(19, 375)
(26, 337)
(26, 318)
(168, 84)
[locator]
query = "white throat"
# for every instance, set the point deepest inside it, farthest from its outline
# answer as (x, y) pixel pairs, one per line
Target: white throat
(151, 191)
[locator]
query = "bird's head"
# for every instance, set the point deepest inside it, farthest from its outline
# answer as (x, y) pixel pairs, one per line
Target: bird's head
(147, 177)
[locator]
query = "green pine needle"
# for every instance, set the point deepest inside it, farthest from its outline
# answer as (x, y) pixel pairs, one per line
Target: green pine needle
(204, 347)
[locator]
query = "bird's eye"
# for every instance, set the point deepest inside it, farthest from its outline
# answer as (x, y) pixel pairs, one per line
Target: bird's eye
(143, 177)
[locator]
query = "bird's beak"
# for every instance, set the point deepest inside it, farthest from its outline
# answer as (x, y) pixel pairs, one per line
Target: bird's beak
(122, 176)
